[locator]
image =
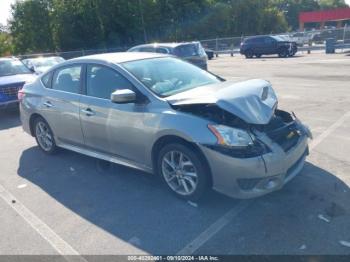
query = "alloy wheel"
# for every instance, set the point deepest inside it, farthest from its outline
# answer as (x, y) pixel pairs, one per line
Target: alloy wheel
(179, 172)
(44, 136)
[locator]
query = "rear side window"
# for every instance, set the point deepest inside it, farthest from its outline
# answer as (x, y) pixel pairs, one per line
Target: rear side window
(46, 79)
(162, 50)
(67, 79)
(103, 81)
(147, 49)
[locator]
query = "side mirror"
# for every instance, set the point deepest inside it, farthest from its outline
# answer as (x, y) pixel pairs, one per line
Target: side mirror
(123, 96)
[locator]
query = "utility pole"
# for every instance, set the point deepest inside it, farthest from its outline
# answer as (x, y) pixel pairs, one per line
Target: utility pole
(143, 22)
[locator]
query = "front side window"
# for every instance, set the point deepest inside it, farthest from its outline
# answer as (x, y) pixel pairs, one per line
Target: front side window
(67, 79)
(168, 76)
(103, 81)
(269, 40)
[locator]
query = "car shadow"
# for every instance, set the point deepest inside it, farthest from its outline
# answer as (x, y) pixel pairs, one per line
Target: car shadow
(275, 57)
(9, 118)
(128, 203)
(120, 200)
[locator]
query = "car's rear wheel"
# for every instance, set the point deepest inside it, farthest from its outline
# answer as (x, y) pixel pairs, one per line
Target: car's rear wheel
(283, 52)
(183, 171)
(249, 54)
(44, 136)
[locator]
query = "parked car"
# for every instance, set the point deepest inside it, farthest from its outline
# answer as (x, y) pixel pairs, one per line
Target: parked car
(13, 75)
(210, 53)
(41, 64)
(192, 52)
(165, 116)
(267, 45)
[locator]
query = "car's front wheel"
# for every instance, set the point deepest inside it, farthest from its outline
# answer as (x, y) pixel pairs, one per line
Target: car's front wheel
(283, 52)
(249, 54)
(183, 171)
(44, 136)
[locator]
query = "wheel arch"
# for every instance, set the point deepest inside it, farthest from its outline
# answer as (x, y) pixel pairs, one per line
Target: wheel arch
(168, 139)
(32, 120)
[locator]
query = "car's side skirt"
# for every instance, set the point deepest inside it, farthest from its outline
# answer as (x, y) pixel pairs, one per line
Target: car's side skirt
(113, 159)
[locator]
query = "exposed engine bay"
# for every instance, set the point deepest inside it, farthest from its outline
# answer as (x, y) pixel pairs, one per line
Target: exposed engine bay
(283, 128)
(214, 113)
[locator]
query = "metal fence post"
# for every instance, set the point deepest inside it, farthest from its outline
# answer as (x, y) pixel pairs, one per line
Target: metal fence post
(216, 47)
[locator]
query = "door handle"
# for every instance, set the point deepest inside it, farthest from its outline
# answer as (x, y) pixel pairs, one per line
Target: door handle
(88, 112)
(48, 104)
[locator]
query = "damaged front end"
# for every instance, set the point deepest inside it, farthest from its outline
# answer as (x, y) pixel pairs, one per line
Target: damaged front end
(239, 139)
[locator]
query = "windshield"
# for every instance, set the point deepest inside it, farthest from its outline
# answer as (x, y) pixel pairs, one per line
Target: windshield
(168, 76)
(13, 67)
(46, 62)
(279, 38)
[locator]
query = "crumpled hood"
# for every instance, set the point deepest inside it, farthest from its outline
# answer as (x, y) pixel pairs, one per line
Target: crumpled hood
(254, 101)
(14, 79)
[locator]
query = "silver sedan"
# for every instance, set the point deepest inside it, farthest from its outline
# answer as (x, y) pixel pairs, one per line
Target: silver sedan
(165, 116)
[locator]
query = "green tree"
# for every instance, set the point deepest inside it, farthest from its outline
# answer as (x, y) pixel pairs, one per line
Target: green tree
(329, 4)
(6, 47)
(30, 26)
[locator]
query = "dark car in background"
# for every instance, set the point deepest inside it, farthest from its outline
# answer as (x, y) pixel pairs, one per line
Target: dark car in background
(13, 75)
(192, 52)
(267, 45)
(41, 64)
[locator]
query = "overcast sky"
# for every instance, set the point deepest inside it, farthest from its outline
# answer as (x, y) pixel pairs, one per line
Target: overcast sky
(5, 10)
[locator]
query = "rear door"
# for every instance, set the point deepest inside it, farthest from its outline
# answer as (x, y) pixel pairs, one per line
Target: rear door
(61, 103)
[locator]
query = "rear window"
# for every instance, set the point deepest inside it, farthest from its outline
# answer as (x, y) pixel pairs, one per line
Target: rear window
(186, 50)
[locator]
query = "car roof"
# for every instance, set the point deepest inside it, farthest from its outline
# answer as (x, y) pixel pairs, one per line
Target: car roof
(169, 45)
(8, 58)
(119, 57)
(41, 57)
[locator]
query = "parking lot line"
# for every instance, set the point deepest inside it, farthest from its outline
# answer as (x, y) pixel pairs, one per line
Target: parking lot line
(231, 214)
(61, 246)
(214, 228)
(328, 131)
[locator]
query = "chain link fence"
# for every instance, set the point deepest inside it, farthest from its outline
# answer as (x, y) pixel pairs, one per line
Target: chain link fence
(72, 54)
(308, 40)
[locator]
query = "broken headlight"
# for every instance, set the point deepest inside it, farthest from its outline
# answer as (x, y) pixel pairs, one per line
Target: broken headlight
(231, 137)
(236, 142)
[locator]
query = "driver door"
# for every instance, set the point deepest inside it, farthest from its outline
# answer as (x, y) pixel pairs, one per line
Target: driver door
(110, 128)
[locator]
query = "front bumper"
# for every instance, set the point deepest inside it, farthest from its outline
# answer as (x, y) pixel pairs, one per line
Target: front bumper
(256, 176)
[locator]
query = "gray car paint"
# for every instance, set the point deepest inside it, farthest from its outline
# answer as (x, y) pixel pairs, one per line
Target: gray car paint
(127, 133)
(242, 99)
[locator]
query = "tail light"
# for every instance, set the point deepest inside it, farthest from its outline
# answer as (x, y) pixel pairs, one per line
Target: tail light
(20, 94)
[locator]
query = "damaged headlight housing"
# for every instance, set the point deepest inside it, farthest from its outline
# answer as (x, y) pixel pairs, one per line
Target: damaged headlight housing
(231, 137)
(236, 142)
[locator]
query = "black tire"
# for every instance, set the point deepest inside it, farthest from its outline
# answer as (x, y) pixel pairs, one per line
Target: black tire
(201, 169)
(249, 54)
(283, 53)
(258, 55)
(49, 150)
